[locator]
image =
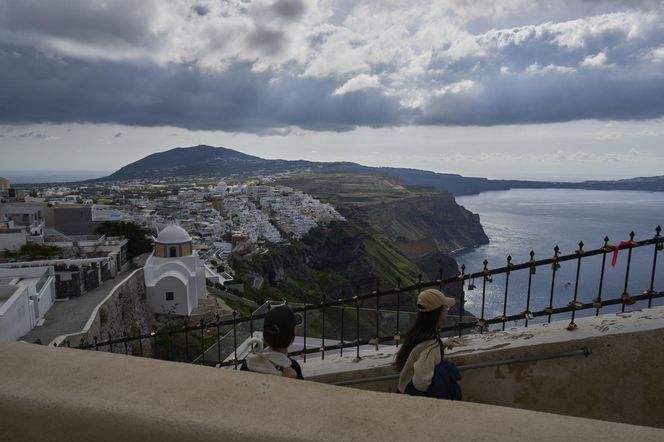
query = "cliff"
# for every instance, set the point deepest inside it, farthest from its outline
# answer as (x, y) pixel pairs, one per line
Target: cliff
(393, 233)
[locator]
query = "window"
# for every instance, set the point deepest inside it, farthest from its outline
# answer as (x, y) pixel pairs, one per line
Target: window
(173, 252)
(169, 296)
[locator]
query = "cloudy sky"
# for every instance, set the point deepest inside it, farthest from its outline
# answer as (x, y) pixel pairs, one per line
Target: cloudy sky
(511, 88)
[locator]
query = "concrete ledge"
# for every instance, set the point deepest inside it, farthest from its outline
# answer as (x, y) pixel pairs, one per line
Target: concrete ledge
(75, 395)
(620, 382)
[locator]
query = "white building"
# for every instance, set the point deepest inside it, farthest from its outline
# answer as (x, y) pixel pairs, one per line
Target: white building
(12, 239)
(174, 274)
(4, 186)
(101, 212)
(26, 295)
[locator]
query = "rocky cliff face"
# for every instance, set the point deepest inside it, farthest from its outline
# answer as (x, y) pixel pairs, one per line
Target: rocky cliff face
(422, 225)
(392, 233)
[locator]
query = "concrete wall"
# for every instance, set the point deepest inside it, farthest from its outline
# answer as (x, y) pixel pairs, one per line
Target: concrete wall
(12, 239)
(87, 395)
(621, 381)
(123, 310)
(16, 313)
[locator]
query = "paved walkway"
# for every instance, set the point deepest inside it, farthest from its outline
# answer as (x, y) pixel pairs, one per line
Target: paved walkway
(66, 317)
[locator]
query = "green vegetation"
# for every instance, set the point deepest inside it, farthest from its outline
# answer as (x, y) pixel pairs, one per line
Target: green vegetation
(32, 252)
(139, 241)
(330, 259)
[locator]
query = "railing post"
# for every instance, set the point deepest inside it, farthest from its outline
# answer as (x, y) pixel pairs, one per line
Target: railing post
(304, 324)
(626, 298)
(554, 266)
(124, 341)
(397, 335)
(357, 322)
(341, 333)
(658, 244)
(572, 325)
(218, 318)
(96, 343)
(485, 273)
(235, 338)
(202, 325)
(110, 343)
(140, 343)
(322, 346)
(154, 341)
(597, 302)
(186, 341)
(507, 284)
(377, 314)
(527, 314)
(461, 298)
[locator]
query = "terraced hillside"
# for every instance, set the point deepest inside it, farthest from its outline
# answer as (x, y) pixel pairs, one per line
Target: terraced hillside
(392, 233)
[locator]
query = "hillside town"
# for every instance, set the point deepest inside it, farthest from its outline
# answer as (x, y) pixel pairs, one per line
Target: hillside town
(59, 240)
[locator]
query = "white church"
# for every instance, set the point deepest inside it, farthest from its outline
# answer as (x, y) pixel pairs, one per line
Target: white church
(174, 274)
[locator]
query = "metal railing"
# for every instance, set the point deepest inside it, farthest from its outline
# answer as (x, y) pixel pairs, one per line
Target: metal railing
(584, 351)
(197, 339)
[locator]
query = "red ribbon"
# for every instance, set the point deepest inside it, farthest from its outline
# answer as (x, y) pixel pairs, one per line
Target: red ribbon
(618, 247)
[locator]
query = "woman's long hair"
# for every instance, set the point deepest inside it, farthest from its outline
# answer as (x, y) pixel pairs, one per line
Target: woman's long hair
(425, 328)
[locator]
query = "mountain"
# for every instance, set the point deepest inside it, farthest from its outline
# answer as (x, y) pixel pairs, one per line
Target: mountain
(219, 162)
(201, 161)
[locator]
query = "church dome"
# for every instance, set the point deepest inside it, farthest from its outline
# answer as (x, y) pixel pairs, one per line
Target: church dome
(173, 235)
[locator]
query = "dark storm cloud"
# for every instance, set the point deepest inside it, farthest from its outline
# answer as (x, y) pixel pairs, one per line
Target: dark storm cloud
(84, 20)
(201, 10)
(253, 67)
(35, 88)
(551, 98)
(289, 9)
(268, 41)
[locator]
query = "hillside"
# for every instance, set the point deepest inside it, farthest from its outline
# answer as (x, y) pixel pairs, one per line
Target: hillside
(218, 162)
(201, 161)
(392, 233)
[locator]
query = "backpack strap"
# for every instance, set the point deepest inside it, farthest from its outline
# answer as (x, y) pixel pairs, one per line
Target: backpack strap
(442, 348)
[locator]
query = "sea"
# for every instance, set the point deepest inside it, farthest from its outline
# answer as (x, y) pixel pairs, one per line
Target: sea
(520, 220)
(50, 176)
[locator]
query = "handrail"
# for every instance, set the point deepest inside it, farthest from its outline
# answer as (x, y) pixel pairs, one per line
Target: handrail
(348, 304)
(584, 351)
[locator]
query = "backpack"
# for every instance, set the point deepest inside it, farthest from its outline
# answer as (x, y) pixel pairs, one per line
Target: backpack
(445, 381)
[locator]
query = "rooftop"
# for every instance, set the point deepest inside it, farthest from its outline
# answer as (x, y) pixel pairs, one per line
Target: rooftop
(173, 235)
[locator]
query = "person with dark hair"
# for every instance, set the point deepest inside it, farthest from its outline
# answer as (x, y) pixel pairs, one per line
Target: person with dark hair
(420, 358)
(270, 354)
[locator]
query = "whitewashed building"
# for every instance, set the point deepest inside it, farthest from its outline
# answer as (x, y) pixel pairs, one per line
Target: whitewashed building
(174, 274)
(26, 295)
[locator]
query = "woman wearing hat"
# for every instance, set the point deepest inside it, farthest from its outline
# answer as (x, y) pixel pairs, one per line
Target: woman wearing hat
(420, 358)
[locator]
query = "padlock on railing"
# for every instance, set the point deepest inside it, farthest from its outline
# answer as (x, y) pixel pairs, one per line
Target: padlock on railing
(576, 305)
(626, 299)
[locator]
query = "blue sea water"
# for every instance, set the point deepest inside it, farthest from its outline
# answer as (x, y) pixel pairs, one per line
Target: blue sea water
(520, 220)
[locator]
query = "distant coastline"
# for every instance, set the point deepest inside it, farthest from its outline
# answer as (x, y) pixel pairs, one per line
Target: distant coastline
(50, 176)
(208, 162)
